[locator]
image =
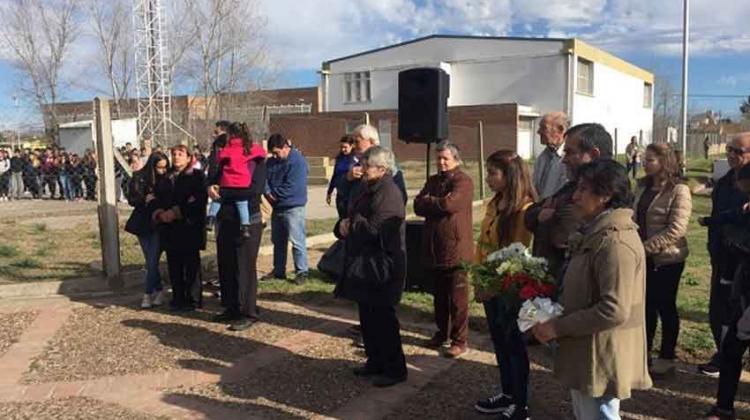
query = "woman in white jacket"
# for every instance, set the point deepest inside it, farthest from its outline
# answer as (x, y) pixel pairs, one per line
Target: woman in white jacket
(4, 175)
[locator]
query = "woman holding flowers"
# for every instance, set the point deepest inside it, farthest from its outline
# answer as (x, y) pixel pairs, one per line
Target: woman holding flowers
(503, 224)
(601, 335)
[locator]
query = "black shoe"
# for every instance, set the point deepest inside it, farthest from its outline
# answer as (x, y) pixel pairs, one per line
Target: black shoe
(224, 317)
(210, 222)
(245, 231)
(383, 381)
(271, 276)
(494, 404)
(358, 342)
(366, 370)
(709, 369)
(300, 279)
(242, 324)
(514, 412)
(721, 414)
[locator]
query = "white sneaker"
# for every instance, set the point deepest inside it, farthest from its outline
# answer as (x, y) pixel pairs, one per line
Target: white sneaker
(146, 302)
(157, 298)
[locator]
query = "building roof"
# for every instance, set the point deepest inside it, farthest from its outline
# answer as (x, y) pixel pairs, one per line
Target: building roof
(572, 45)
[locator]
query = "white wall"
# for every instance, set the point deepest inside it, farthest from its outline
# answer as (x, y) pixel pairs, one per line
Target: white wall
(617, 103)
(78, 139)
(483, 71)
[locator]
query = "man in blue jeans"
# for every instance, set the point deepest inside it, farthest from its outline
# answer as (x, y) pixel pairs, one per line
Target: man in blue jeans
(286, 190)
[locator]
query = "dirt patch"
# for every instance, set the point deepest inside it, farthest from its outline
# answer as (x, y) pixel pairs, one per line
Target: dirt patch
(12, 326)
(69, 409)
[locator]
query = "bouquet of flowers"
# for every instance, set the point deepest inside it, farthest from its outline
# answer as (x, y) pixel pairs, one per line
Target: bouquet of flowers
(513, 275)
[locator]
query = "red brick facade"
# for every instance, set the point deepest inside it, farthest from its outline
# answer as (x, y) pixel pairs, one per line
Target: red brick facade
(318, 134)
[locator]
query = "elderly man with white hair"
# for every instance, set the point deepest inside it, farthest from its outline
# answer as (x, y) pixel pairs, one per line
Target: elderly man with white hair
(549, 171)
(365, 136)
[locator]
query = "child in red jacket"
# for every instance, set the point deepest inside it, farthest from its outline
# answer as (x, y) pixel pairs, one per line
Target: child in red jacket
(236, 163)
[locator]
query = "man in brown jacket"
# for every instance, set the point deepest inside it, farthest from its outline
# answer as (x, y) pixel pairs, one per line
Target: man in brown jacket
(554, 219)
(445, 202)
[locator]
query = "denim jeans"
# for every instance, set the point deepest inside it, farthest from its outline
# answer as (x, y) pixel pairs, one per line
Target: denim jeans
(289, 225)
(243, 211)
(66, 192)
(151, 254)
(16, 185)
(510, 353)
(590, 408)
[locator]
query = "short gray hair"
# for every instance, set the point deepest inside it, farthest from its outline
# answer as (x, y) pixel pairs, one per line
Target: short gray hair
(368, 132)
(447, 145)
(381, 157)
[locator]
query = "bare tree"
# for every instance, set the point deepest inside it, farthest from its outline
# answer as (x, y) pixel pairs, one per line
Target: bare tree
(111, 26)
(39, 34)
(666, 108)
(227, 52)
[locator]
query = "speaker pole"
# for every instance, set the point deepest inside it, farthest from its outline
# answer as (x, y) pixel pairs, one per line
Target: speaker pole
(428, 161)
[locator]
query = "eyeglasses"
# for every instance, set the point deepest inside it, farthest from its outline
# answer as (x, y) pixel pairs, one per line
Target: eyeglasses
(737, 150)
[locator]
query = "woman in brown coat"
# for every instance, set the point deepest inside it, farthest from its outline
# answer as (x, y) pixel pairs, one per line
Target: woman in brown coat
(662, 211)
(445, 203)
(602, 351)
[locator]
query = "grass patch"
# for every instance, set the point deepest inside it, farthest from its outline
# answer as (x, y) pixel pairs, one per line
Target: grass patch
(8, 251)
(27, 263)
(39, 227)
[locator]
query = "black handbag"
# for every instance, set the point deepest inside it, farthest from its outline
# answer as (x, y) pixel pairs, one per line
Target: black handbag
(371, 268)
(332, 261)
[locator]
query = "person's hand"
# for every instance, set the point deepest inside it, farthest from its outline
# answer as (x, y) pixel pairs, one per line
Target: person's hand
(150, 197)
(213, 192)
(167, 216)
(156, 217)
(344, 227)
(546, 214)
(328, 199)
(544, 332)
(746, 207)
(355, 173)
(271, 199)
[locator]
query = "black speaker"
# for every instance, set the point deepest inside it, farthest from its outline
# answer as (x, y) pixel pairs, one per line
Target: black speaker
(423, 105)
(417, 276)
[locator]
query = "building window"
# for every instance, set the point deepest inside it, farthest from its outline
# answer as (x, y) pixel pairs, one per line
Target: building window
(648, 94)
(585, 77)
(357, 87)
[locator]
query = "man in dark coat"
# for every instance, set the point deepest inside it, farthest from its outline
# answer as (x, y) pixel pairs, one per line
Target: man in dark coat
(375, 233)
(446, 203)
(181, 212)
(237, 257)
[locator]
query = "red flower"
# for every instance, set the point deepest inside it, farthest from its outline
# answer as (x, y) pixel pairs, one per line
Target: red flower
(528, 292)
(547, 289)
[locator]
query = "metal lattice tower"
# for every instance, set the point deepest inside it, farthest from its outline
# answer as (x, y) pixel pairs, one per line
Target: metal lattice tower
(152, 73)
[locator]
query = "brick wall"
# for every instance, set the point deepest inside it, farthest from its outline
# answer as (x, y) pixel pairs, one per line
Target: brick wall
(318, 134)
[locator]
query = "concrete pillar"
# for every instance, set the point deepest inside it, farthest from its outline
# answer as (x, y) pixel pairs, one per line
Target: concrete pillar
(108, 218)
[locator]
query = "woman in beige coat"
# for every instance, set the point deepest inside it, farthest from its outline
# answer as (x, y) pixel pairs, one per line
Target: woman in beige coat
(601, 334)
(662, 212)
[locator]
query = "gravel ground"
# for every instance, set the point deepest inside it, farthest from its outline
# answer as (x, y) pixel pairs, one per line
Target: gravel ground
(116, 340)
(69, 409)
(316, 381)
(12, 326)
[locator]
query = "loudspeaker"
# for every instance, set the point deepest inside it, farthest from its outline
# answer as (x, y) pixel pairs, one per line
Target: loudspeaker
(423, 105)
(417, 276)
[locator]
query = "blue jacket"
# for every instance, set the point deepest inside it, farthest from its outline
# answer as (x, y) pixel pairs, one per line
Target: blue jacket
(343, 164)
(286, 180)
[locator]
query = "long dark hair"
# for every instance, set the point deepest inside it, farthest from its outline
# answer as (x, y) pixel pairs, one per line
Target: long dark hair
(519, 190)
(149, 169)
(240, 130)
(669, 165)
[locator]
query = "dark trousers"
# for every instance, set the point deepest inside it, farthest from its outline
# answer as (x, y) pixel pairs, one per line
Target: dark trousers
(510, 352)
(661, 303)
(5, 184)
(382, 337)
(452, 305)
(238, 276)
(183, 268)
(90, 181)
(51, 181)
(718, 308)
(732, 351)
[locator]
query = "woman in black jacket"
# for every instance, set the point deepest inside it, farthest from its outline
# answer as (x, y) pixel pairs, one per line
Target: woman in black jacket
(375, 266)
(180, 211)
(141, 196)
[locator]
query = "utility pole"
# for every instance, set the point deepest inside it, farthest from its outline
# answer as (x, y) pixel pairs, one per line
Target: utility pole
(685, 52)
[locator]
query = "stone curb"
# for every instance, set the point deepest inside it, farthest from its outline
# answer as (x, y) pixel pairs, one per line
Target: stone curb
(98, 286)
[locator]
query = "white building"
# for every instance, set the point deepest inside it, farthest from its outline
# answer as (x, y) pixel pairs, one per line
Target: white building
(77, 137)
(540, 75)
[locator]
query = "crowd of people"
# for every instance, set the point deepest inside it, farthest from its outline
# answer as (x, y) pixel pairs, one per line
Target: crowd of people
(617, 250)
(51, 173)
